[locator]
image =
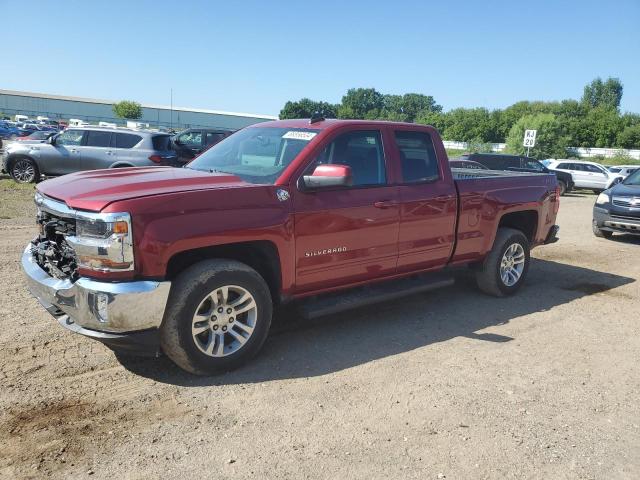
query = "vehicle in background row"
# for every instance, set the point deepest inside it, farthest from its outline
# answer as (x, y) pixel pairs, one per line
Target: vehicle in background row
(39, 136)
(617, 209)
(519, 163)
(620, 172)
(78, 149)
(8, 131)
(461, 163)
(329, 213)
(192, 142)
(588, 175)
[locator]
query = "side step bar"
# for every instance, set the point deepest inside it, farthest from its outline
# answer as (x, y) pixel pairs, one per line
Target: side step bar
(383, 292)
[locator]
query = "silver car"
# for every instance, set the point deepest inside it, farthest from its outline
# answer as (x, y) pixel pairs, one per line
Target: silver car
(88, 148)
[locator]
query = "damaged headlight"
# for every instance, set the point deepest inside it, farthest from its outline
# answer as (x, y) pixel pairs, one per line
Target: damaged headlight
(103, 242)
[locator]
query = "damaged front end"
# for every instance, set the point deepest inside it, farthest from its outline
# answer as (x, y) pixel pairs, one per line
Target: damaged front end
(50, 248)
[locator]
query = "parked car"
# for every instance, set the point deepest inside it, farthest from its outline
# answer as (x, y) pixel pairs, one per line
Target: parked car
(279, 212)
(461, 163)
(588, 175)
(89, 148)
(519, 163)
(39, 136)
(8, 131)
(620, 172)
(617, 209)
(193, 141)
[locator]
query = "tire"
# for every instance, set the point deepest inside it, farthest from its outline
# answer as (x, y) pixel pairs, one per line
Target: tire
(489, 274)
(24, 170)
(563, 187)
(191, 298)
(600, 233)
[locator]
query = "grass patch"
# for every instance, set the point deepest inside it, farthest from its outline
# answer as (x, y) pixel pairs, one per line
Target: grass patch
(16, 199)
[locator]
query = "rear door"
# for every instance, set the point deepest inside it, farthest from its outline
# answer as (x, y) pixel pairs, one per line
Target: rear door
(428, 203)
(348, 234)
(96, 151)
(598, 179)
(123, 144)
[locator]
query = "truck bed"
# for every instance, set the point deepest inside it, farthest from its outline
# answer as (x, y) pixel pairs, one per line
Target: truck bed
(472, 173)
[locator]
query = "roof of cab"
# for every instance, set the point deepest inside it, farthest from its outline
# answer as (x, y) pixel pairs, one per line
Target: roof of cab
(325, 124)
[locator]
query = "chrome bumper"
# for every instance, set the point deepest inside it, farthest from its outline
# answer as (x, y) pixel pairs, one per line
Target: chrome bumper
(100, 306)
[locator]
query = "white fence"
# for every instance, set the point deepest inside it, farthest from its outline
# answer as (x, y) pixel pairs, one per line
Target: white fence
(580, 151)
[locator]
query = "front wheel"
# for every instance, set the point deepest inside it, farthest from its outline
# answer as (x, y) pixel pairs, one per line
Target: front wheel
(24, 170)
(217, 317)
(505, 267)
(600, 233)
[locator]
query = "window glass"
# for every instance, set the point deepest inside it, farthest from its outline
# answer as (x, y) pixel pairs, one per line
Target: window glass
(615, 169)
(493, 163)
(212, 138)
(98, 139)
(191, 139)
(577, 167)
(417, 156)
(360, 150)
(530, 164)
(161, 142)
(125, 140)
(592, 168)
(255, 154)
(70, 137)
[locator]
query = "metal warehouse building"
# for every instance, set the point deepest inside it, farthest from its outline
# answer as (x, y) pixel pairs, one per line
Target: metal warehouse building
(91, 110)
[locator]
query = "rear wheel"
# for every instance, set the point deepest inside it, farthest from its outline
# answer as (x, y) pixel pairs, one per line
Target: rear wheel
(217, 318)
(600, 233)
(24, 170)
(505, 267)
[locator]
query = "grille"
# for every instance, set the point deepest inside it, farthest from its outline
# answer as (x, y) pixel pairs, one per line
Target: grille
(628, 202)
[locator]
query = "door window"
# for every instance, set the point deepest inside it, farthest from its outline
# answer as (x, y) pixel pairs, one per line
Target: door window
(417, 156)
(191, 139)
(98, 139)
(70, 137)
(530, 164)
(125, 140)
(213, 138)
(362, 151)
(593, 169)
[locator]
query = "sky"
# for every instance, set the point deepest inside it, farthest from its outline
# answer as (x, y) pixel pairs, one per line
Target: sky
(252, 56)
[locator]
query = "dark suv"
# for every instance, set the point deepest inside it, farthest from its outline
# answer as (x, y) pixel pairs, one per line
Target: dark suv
(192, 142)
(518, 163)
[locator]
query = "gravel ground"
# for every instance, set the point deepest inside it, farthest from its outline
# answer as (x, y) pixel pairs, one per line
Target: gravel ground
(450, 384)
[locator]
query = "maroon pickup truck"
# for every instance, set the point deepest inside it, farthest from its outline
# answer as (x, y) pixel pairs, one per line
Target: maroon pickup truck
(329, 214)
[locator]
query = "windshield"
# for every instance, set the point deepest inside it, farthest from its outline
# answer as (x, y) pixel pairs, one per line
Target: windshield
(255, 154)
(633, 179)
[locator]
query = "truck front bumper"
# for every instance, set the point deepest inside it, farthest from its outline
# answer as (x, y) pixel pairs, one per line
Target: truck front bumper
(123, 315)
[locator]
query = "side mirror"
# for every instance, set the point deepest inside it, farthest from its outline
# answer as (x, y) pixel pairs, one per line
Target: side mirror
(328, 176)
(52, 140)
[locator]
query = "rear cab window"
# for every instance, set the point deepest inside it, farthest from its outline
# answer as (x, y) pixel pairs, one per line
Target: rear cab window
(417, 156)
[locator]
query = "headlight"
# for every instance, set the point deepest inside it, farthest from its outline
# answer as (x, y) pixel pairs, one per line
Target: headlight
(602, 199)
(103, 242)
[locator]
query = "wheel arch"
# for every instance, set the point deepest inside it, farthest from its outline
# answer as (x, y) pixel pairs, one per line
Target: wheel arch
(261, 255)
(525, 221)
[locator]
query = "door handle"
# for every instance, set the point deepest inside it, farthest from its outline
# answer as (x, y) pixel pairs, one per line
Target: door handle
(109, 153)
(73, 150)
(384, 204)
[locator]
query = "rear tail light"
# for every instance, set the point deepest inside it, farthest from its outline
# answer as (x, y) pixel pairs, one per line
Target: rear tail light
(155, 158)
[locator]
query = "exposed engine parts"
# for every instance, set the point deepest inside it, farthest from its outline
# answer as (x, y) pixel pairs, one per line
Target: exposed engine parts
(50, 249)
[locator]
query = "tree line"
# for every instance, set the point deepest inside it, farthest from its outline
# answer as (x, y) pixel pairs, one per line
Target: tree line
(593, 121)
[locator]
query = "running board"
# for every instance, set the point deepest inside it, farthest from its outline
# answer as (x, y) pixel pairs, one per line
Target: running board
(361, 296)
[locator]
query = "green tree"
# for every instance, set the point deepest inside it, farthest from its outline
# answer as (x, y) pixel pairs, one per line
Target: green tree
(629, 137)
(361, 103)
(407, 107)
(550, 139)
(603, 94)
(467, 124)
(435, 119)
(305, 108)
(128, 109)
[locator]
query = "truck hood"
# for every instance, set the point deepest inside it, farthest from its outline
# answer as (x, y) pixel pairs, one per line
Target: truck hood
(95, 189)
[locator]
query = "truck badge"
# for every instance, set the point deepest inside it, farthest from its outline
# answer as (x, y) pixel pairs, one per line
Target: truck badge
(282, 194)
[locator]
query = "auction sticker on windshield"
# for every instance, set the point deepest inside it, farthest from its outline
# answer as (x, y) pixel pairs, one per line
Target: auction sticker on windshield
(294, 135)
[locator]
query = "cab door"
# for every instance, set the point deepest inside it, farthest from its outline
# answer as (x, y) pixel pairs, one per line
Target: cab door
(428, 202)
(348, 234)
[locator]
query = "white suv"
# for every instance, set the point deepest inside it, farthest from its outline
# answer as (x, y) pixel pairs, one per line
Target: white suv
(589, 175)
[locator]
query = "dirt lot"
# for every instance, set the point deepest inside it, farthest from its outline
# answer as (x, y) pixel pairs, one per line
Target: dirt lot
(450, 384)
